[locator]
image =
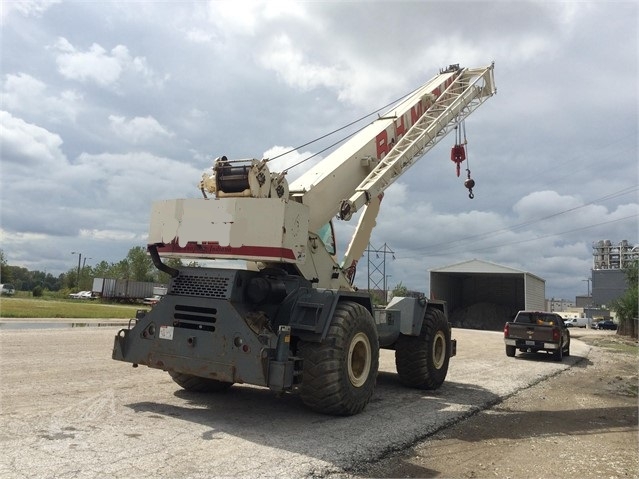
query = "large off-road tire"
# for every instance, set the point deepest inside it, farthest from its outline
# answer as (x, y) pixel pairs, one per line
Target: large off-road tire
(422, 361)
(198, 384)
(567, 350)
(510, 351)
(339, 373)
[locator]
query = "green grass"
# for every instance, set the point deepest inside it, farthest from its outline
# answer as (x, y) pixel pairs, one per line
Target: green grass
(45, 308)
(620, 347)
(614, 343)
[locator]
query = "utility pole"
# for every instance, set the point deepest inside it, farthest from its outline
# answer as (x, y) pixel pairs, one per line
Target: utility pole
(377, 277)
(84, 262)
(79, 261)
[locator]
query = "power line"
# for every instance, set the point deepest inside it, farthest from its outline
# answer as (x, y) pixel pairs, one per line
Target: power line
(338, 130)
(532, 239)
(556, 234)
(453, 244)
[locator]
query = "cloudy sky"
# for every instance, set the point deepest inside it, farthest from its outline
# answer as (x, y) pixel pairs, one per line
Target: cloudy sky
(107, 106)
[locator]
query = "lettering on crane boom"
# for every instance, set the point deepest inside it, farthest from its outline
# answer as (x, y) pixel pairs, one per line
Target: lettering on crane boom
(406, 120)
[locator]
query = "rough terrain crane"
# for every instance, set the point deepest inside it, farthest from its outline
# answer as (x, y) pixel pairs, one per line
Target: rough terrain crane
(292, 320)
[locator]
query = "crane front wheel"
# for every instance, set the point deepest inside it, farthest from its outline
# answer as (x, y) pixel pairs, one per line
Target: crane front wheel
(340, 372)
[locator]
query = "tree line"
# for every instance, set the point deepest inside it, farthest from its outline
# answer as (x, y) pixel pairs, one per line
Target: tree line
(137, 266)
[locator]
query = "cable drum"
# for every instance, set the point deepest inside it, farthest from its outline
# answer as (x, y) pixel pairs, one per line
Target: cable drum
(232, 179)
(248, 179)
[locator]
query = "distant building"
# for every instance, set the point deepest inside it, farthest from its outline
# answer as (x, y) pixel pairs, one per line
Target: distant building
(608, 255)
(608, 275)
(607, 285)
(484, 295)
(583, 301)
(557, 305)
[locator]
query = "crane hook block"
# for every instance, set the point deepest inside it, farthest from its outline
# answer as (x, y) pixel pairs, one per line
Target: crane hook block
(458, 155)
(470, 184)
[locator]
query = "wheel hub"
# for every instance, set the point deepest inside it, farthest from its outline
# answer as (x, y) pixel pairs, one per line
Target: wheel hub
(359, 359)
(439, 350)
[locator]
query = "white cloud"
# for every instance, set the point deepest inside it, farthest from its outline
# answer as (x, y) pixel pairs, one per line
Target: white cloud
(284, 157)
(102, 67)
(139, 129)
(28, 146)
(542, 203)
(130, 181)
(24, 93)
(17, 237)
(94, 64)
(197, 35)
(111, 235)
(27, 8)
(247, 16)
(295, 69)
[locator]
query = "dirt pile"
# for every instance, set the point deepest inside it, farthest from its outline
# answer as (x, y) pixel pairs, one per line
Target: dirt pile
(487, 316)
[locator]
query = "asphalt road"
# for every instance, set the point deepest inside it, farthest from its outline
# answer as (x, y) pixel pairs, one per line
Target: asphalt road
(68, 410)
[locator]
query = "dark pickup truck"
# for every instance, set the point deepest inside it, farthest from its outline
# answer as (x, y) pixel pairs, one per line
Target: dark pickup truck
(533, 331)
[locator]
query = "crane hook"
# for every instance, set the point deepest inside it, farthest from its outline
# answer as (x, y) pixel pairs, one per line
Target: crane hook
(470, 184)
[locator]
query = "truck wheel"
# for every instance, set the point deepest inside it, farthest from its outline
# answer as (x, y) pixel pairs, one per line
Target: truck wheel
(198, 384)
(567, 350)
(339, 373)
(558, 355)
(422, 361)
(510, 351)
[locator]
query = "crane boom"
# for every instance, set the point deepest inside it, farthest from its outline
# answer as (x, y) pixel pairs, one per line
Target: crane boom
(468, 90)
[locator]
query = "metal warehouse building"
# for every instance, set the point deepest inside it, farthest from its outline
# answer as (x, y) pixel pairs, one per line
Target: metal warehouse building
(483, 295)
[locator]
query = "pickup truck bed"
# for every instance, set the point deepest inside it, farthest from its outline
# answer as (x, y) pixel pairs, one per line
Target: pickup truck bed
(534, 331)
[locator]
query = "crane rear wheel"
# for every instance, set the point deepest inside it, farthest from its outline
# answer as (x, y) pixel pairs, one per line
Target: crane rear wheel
(422, 361)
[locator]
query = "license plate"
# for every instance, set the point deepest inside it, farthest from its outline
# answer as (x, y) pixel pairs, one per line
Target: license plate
(530, 343)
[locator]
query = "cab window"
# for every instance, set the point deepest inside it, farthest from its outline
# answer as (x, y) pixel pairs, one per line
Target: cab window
(327, 235)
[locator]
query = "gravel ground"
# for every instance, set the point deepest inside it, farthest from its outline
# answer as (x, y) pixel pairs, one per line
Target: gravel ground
(581, 423)
(67, 410)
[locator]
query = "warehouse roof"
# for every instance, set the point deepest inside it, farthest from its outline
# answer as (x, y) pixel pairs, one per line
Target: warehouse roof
(479, 266)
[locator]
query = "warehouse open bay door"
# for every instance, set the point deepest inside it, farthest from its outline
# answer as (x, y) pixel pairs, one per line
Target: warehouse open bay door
(483, 295)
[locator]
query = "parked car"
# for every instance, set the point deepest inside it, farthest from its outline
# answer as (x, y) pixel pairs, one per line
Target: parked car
(577, 322)
(82, 295)
(7, 289)
(606, 324)
(152, 301)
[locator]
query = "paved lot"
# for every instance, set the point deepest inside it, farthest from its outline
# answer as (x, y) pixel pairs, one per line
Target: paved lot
(68, 410)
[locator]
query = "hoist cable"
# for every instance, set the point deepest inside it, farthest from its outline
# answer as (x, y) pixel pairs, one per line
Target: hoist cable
(322, 151)
(338, 130)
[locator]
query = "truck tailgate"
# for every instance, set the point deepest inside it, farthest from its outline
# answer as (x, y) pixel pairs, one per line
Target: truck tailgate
(530, 331)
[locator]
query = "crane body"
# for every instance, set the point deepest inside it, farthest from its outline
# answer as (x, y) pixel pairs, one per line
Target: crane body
(292, 320)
